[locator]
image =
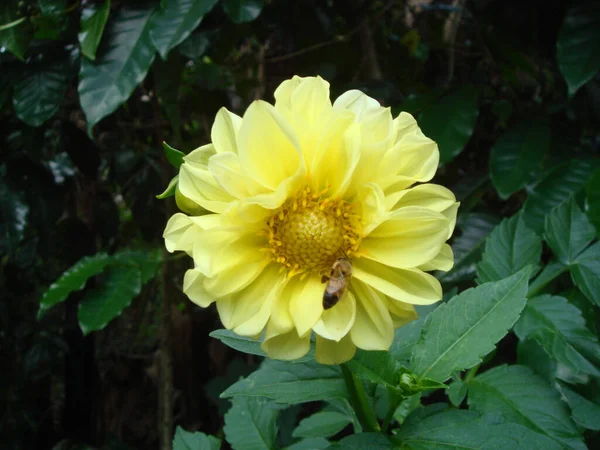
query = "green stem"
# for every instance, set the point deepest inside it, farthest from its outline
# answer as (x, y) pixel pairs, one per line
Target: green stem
(471, 373)
(359, 401)
(394, 399)
(552, 270)
(6, 26)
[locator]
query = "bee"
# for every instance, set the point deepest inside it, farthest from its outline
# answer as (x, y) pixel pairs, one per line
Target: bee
(337, 285)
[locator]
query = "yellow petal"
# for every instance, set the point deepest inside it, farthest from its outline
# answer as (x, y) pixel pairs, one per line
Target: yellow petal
(337, 155)
(306, 302)
(407, 285)
(404, 124)
(373, 205)
(281, 320)
(333, 352)
(177, 225)
(401, 313)
(199, 157)
(286, 346)
(414, 158)
(373, 328)
(357, 102)
(335, 323)
(310, 99)
(228, 173)
(224, 131)
(410, 237)
(200, 186)
(193, 287)
(269, 150)
(443, 261)
(243, 309)
(283, 93)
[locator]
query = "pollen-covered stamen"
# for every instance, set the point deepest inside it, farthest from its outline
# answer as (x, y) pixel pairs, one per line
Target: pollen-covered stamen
(309, 232)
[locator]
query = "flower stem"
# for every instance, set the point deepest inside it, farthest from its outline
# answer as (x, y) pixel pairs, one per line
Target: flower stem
(359, 401)
(393, 399)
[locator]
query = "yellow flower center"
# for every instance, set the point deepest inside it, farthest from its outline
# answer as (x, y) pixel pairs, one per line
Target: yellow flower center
(309, 232)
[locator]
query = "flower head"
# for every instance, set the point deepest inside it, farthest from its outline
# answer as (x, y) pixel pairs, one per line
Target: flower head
(291, 188)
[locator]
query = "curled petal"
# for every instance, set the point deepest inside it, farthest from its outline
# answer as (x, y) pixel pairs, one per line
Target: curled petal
(225, 130)
(334, 352)
(406, 285)
(443, 261)
(287, 346)
(193, 287)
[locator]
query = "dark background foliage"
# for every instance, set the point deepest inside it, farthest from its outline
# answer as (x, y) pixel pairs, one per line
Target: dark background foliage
(509, 89)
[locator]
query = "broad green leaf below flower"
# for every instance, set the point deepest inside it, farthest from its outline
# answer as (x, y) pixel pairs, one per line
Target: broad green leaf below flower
(461, 429)
(251, 423)
(321, 424)
(458, 334)
(291, 383)
(520, 396)
(568, 231)
(560, 329)
(509, 248)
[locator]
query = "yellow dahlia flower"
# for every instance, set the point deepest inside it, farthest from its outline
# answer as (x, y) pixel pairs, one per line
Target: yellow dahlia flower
(292, 188)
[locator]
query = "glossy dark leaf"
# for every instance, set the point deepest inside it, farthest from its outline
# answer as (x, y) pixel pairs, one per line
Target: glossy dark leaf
(195, 45)
(38, 95)
(186, 440)
(556, 187)
(14, 212)
(109, 81)
(175, 20)
(578, 47)
(240, 11)
(450, 122)
(517, 154)
(16, 37)
(74, 279)
(106, 301)
(93, 21)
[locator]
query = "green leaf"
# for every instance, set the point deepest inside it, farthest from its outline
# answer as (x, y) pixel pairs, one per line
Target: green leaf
(450, 122)
(509, 248)
(109, 81)
(520, 396)
(585, 272)
(457, 392)
(578, 46)
(461, 429)
(14, 212)
(459, 333)
(309, 444)
(321, 424)
(74, 279)
(593, 200)
(467, 247)
(556, 187)
(363, 441)
(550, 271)
(240, 343)
(195, 45)
(148, 261)
(568, 231)
(16, 37)
(240, 11)
(38, 95)
(560, 329)
(186, 440)
(170, 190)
(517, 154)
(251, 423)
(106, 301)
(93, 21)
(291, 383)
(373, 366)
(407, 335)
(175, 157)
(585, 412)
(175, 20)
